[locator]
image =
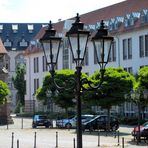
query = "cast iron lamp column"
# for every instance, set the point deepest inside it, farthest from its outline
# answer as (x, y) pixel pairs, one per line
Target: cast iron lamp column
(78, 39)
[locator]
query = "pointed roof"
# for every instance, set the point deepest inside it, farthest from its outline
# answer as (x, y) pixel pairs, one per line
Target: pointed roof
(2, 48)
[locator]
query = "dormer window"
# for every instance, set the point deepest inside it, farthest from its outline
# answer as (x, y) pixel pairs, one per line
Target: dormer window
(111, 24)
(1, 28)
(118, 22)
(127, 20)
(15, 28)
(30, 28)
(144, 16)
(23, 43)
(130, 19)
(7, 43)
(44, 25)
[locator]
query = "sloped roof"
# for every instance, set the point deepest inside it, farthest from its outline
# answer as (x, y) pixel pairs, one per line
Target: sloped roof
(119, 9)
(106, 13)
(2, 48)
(57, 26)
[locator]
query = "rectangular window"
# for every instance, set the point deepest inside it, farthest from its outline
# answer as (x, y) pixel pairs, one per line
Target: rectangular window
(36, 85)
(45, 67)
(146, 45)
(141, 46)
(36, 65)
(127, 49)
(1, 28)
(65, 58)
(30, 28)
(112, 55)
(124, 49)
(128, 69)
(15, 28)
(95, 57)
(85, 62)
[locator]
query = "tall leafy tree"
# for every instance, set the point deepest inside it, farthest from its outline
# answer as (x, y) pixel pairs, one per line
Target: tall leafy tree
(19, 83)
(116, 83)
(65, 94)
(143, 77)
(4, 91)
(141, 86)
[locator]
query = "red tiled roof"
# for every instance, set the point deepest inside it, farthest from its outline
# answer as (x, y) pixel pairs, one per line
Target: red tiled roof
(119, 9)
(2, 48)
(57, 26)
(106, 13)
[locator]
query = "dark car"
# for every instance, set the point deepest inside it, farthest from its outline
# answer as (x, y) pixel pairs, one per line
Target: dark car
(40, 120)
(101, 122)
(143, 131)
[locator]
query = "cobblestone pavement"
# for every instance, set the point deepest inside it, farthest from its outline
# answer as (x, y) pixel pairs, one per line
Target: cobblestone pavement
(25, 137)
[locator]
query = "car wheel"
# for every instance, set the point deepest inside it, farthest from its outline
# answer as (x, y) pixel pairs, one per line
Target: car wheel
(114, 128)
(34, 126)
(68, 125)
(83, 129)
(91, 129)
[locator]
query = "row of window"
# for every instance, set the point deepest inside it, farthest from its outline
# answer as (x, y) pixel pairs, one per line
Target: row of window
(22, 43)
(126, 49)
(143, 47)
(128, 20)
(15, 27)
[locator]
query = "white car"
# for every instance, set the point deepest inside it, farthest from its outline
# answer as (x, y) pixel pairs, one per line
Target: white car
(71, 122)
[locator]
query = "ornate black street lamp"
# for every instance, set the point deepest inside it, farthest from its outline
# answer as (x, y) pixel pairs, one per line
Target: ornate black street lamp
(51, 46)
(78, 39)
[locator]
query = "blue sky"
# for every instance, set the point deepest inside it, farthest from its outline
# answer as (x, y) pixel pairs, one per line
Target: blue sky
(41, 11)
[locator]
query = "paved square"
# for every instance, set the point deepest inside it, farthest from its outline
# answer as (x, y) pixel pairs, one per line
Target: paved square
(24, 137)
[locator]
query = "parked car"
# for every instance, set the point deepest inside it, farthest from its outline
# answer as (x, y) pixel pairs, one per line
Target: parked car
(143, 131)
(40, 120)
(100, 122)
(71, 122)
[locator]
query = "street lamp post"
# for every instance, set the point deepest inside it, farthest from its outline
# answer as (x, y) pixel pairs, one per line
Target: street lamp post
(78, 39)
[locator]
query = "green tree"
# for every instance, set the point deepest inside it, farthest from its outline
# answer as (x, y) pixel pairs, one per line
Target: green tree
(116, 83)
(19, 83)
(140, 86)
(143, 77)
(64, 95)
(4, 91)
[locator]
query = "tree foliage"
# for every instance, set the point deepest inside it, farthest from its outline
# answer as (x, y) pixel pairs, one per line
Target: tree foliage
(139, 87)
(116, 83)
(4, 91)
(143, 77)
(19, 82)
(64, 95)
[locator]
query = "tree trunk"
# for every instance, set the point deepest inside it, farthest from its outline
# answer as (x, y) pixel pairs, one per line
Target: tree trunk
(108, 120)
(139, 119)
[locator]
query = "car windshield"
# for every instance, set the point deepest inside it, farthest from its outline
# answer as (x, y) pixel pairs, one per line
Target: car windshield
(145, 124)
(42, 117)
